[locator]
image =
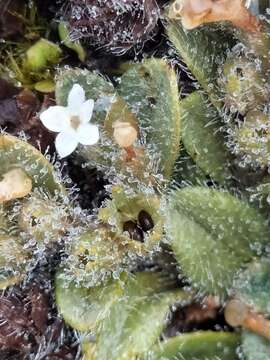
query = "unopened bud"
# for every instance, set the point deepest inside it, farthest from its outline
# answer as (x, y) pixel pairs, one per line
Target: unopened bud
(196, 12)
(15, 184)
(239, 314)
(124, 134)
(235, 312)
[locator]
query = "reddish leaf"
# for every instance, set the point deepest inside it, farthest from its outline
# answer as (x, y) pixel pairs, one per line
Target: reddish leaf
(116, 25)
(15, 327)
(64, 353)
(39, 308)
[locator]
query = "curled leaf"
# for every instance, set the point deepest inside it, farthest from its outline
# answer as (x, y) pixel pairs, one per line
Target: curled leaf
(66, 40)
(198, 345)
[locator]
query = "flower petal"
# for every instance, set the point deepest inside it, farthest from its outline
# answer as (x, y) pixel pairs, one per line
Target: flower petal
(76, 98)
(86, 111)
(88, 134)
(65, 143)
(55, 118)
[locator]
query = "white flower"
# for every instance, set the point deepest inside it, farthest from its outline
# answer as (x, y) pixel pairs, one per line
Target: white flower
(72, 122)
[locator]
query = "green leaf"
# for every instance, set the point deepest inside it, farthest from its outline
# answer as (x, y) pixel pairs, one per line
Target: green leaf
(202, 137)
(14, 256)
(41, 55)
(213, 234)
(255, 347)
(85, 308)
(150, 89)
(45, 86)
(186, 172)
(207, 345)
(73, 45)
(81, 307)
(16, 153)
(203, 50)
(136, 325)
(13, 260)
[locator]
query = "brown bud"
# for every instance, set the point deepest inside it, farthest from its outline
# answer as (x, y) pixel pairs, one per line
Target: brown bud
(196, 12)
(235, 312)
(239, 314)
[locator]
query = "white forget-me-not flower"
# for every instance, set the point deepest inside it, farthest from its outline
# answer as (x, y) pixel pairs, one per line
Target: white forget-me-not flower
(72, 122)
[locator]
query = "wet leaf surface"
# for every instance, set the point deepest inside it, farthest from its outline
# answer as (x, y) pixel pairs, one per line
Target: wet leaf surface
(116, 26)
(215, 233)
(29, 324)
(205, 242)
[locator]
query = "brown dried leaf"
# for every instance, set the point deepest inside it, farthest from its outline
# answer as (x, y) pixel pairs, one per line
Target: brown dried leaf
(7, 89)
(27, 104)
(15, 326)
(39, 308)
(64, 353)
(10, 24)
(115, 25)
(19, 112)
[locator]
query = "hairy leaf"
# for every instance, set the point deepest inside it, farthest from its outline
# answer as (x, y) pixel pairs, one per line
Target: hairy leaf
(203, 50)
(150, 89)
(213, 234)
(136, 325)
(17, 153)
(255, 346)
(207, 345)
(202, 137)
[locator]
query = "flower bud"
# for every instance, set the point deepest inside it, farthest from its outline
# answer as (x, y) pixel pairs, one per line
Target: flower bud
(196, 12)
(244, 85)
(235, 313)
(15, 184)
(252, 138)
(124, 134)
